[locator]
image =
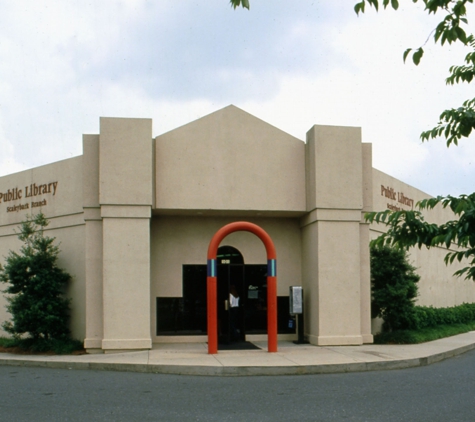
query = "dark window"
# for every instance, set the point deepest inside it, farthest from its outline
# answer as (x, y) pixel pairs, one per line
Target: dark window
(187, 315)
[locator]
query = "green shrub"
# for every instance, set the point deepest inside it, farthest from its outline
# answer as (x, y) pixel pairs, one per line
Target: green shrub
(423, 335)
(8, 342)
(35, 285)
(393, 288)
(425, 316)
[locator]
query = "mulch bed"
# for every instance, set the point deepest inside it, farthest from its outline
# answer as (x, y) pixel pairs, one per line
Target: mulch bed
(20, 351)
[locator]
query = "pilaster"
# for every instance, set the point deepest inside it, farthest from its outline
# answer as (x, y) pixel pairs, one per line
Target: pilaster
(364, 244)
(93, 247)
(125, 198)
(331, 235)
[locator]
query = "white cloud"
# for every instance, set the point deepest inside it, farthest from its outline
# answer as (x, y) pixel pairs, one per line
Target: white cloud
(8, 164)
(64, 64)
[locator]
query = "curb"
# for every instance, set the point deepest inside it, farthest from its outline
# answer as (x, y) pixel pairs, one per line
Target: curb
(241, 371)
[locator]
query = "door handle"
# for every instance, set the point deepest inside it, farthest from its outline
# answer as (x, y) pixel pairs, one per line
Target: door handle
(226, 305)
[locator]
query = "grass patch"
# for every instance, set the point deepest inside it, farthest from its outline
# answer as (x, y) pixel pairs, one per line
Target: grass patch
(423, 335)
(29, 345)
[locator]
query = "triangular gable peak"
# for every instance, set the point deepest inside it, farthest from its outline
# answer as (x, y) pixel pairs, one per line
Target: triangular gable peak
(230, 161)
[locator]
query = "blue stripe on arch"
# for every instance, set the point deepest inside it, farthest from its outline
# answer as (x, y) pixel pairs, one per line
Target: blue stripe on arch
(272, 268)
(212, 269)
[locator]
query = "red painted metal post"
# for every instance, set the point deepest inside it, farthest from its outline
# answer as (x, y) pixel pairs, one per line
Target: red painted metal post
(212, 283)
(272, 314)
(212, 300)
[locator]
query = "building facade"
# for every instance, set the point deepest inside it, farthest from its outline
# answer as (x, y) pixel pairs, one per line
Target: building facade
(134, 216)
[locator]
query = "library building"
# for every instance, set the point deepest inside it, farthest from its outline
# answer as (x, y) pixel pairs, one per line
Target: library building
(201, 234)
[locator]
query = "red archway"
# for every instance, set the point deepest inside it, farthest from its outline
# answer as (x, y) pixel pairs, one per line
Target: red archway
(212, 283)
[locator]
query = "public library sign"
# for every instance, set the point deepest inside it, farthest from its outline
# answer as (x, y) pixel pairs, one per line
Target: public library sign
(32, 191)
(391, 194)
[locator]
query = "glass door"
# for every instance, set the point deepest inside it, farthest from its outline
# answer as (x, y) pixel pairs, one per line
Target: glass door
(231, 303)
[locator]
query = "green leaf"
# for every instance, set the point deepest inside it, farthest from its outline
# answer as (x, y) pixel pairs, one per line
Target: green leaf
(237, 3)
(416, 57)
(359, 7)
(406, 53)
(374, 3)
(462, 36)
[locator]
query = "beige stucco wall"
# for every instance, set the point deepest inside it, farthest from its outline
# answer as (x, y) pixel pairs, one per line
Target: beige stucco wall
(7, 243)
(338, 284)
(334, 168)
(64, 199)
(62, 192)
(93, 244)
(132, 211)
(71, 243)
(332, 237)
(176, 241)
(126, 274)
(125, 158)
(230, 160)
(125, 198)
(437, 286)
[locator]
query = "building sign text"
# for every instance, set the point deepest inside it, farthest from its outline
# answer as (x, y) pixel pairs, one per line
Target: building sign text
(32, 191)
(390, 193)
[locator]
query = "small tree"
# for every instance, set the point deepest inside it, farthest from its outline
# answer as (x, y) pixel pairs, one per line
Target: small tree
(35, 285)
(393, 288)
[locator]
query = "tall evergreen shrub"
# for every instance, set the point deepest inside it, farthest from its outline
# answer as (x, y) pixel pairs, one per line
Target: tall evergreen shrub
(393, 288)
(35, 285)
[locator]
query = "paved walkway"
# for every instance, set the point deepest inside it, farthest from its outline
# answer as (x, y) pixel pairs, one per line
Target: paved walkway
(291, 359)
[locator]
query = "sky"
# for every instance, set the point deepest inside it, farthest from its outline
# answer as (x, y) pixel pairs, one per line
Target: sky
(292, 64)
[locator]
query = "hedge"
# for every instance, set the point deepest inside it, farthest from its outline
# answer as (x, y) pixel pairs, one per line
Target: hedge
(428, 316)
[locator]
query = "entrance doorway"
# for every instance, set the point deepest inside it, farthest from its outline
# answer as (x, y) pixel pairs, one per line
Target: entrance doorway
(248, 285)
(212, 288)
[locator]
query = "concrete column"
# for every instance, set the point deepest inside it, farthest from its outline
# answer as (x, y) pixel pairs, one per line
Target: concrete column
(126, 278)
(331, 238)
(364, 244)
(93, 247)
(126, 199)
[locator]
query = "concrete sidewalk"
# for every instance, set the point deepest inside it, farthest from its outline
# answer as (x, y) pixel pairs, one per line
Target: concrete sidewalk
(291, 359)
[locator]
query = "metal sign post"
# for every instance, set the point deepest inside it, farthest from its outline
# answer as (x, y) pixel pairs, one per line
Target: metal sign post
(296, 308)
